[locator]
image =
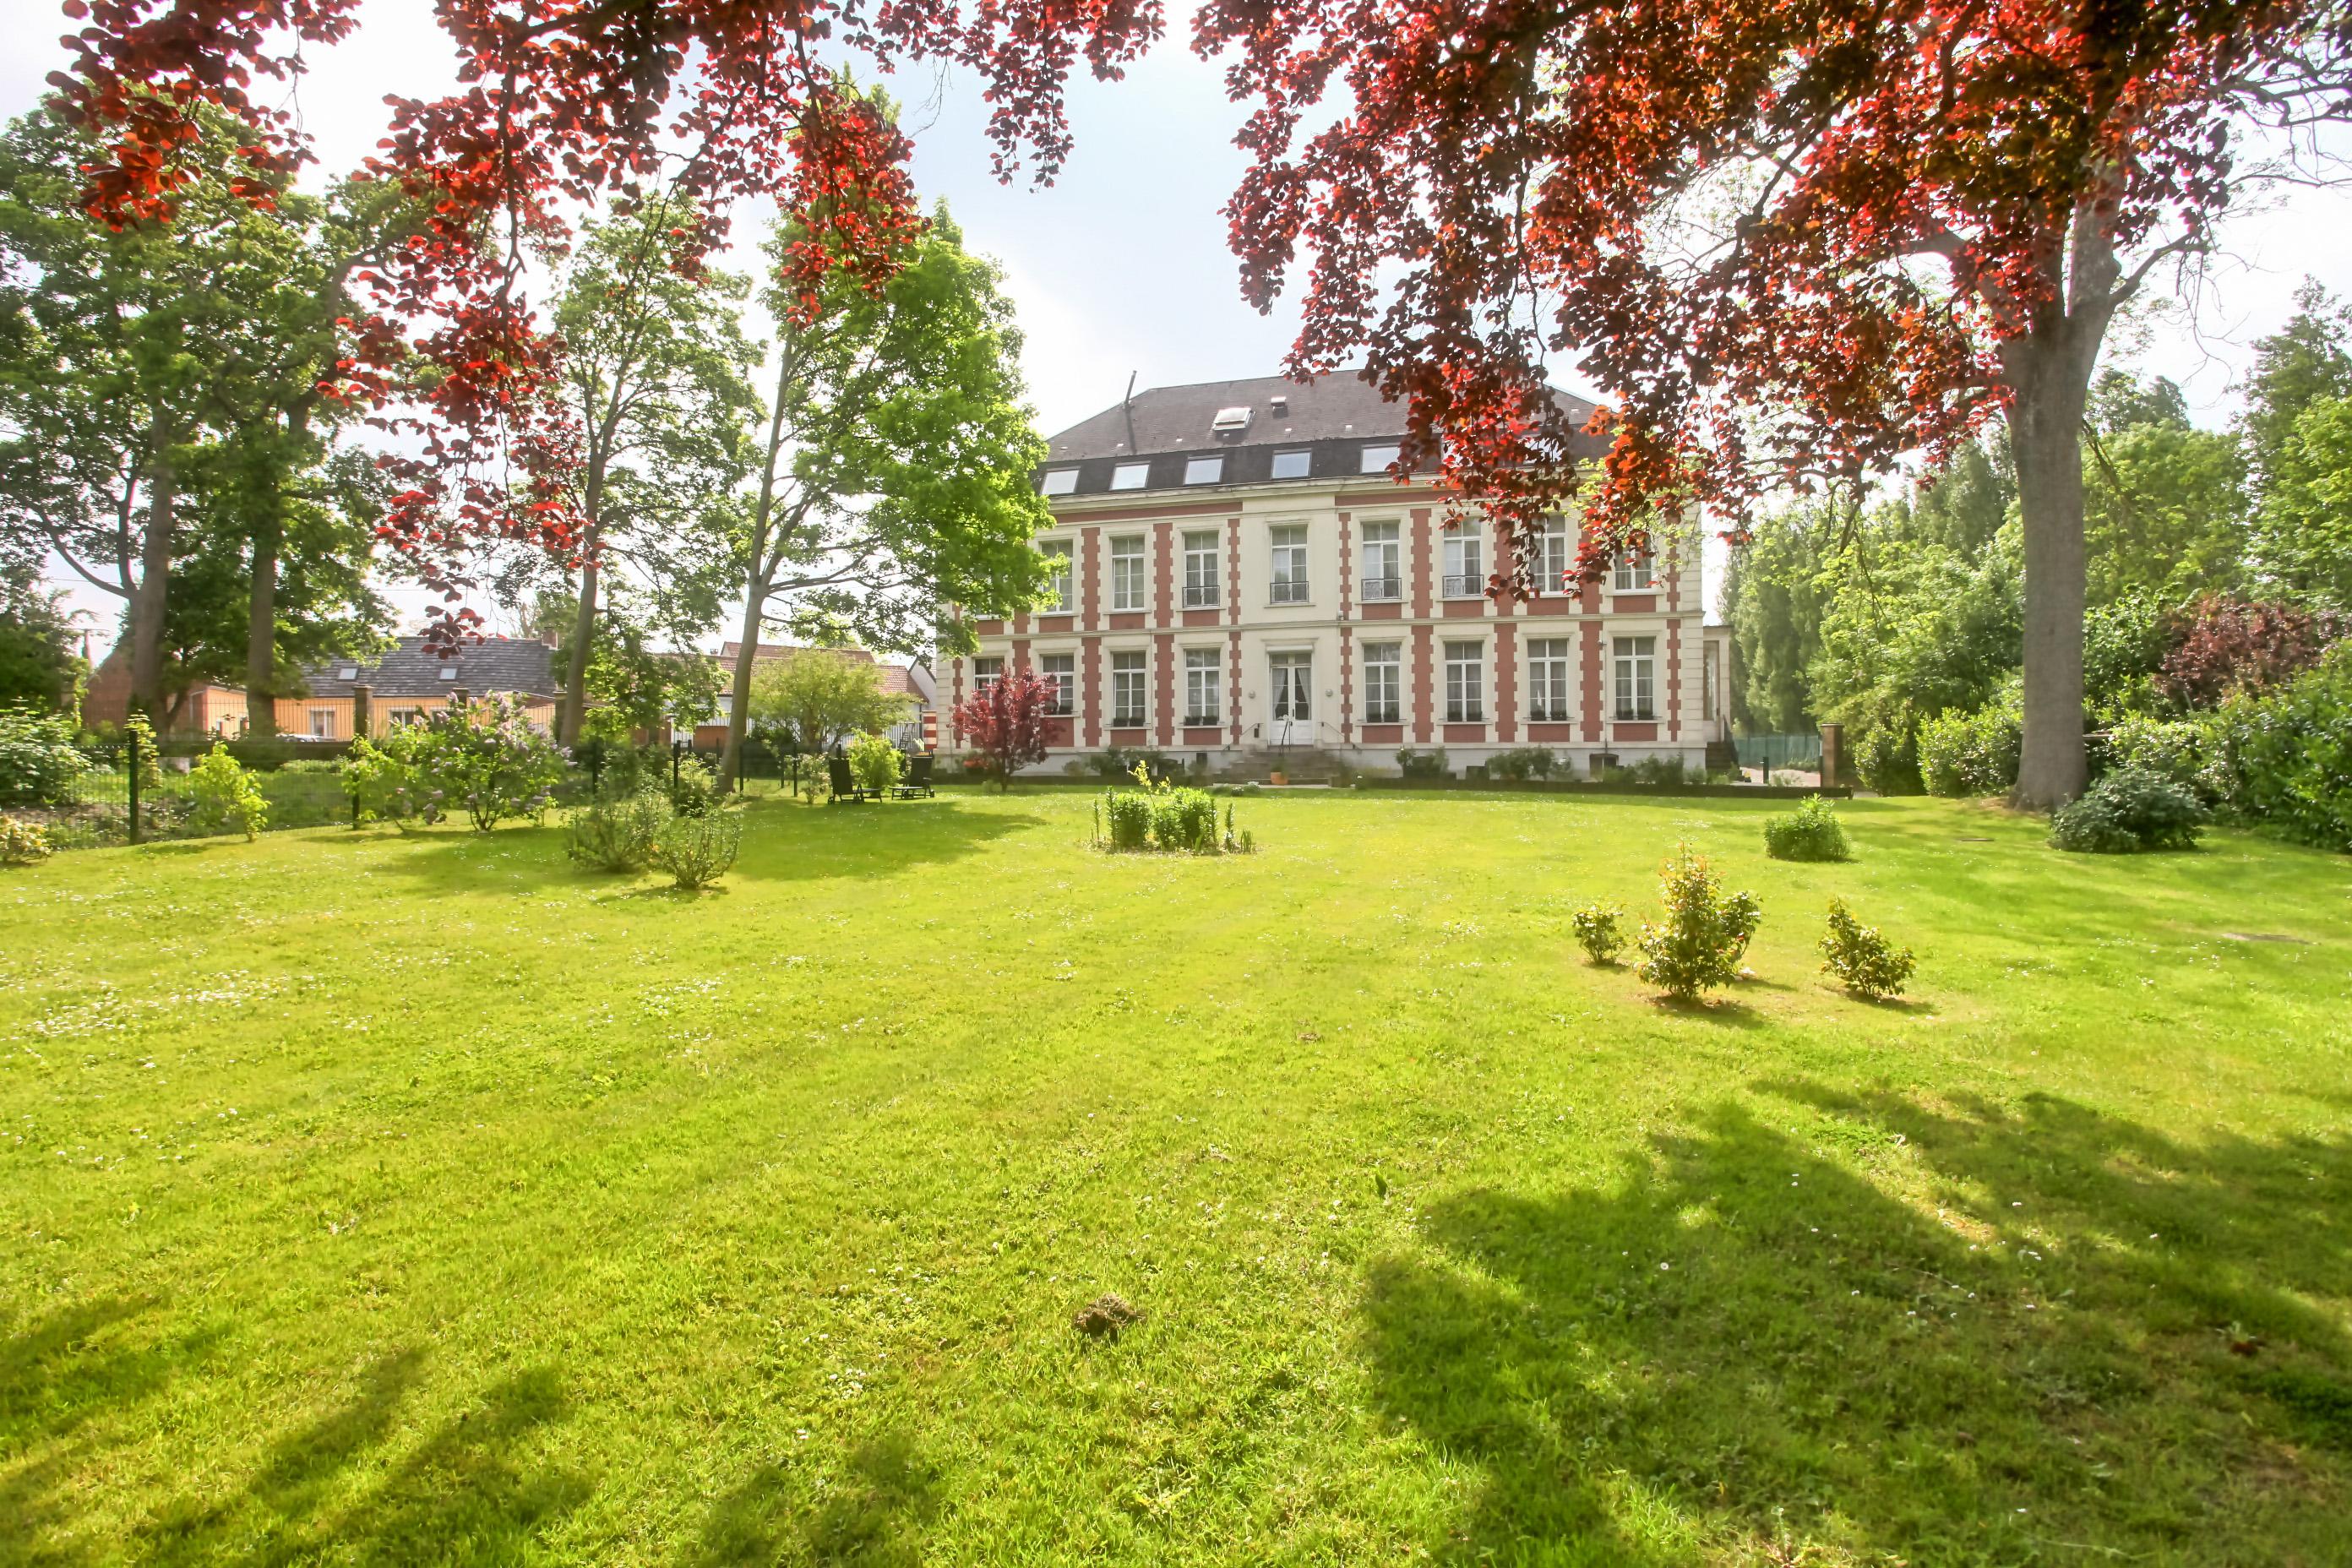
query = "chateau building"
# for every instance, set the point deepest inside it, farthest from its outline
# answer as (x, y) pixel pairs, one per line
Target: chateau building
(1240, 581)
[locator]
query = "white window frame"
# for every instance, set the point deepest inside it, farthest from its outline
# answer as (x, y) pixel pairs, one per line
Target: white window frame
(1384, 666)
(1465, 563)
(1634, 680)
(1550, 666)
(1202, 566)
(986, 672)
(1465, 683)
(393, 718)
(1286, 549)
(1634, 573)
(322, 723)
(1129, 674)
(1124, 550)
(1376, 456)
(1299, 464)
(1131, 476)
(1381, 557)
(1206, 471)
(1555, 553)
(1059, 552)
(1065, 681)
(1058, 482)
(1204, 676)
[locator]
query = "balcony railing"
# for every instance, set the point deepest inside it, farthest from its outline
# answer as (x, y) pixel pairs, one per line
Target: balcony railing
(1290, 590)
(1200, 596)
(1469, 587)
(1377, 588)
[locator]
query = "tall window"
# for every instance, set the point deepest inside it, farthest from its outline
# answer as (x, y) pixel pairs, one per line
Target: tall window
(1057, 561)
(1061, 670)
(1632, 574)
(1547, 678)
(1200, 569)
(1382, 578)
(1555, 555)
(1204, 676)
(986, 672)
(1126, 572)
(1383, 683)
(1637, 678)
(1126, 690)
(1465, 563)
(1465, 683)
(1289, 545)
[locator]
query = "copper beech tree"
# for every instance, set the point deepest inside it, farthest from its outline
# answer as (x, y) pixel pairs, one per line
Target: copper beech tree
(1003, 723)
(1798, 243)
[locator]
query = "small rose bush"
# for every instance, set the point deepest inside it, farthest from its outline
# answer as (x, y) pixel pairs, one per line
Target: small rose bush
(1861, 958)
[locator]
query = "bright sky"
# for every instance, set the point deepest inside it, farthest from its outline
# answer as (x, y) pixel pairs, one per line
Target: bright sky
(1122, 266)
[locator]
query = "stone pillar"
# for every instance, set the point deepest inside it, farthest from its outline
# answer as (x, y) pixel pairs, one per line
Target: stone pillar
(363, 712)
(1832, 753)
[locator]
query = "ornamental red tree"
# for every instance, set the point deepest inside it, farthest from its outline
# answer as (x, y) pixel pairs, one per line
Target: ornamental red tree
(1797, 241)
(2223, 645)
(1005, 722)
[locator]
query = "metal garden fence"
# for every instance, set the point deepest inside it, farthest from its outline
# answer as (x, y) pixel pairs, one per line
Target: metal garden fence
(1771, 752)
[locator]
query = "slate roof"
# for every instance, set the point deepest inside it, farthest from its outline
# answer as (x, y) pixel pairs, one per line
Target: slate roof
(1333, 417)
(495, 664)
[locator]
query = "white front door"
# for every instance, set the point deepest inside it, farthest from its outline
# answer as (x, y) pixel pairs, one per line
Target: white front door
(1290, 679)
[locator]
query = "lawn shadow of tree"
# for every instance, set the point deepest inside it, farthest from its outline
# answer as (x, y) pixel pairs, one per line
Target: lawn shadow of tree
(1743, 1347)
(877, 1515)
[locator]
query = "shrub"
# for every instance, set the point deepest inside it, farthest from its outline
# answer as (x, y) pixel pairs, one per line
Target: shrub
(1661, 770)
(1524, 762)
(1963, 755)
(39, 760)
(222, 795)
(2172, 749)
(617, 834)
(1860, 957)
(697, 851)
(2283, 758)
(1184, 819)
(21, 843)
(487, 757)
(2128, 810)
(302, 765)
(1422, 764)
(1699, 945)
(1887, 758)
(2222, 644)
(1811, 832)
(380, 778)
(1158, 815)
(1600, 932)
(874, 764)
(693, 787)
(1128, 814)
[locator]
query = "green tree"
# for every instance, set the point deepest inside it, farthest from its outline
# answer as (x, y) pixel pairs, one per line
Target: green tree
(1774, 595)
(2306, 521)
(38, 666)
(813, 698)
(654, 367)
(896, 476)
(2164, 503)
(2305, 361)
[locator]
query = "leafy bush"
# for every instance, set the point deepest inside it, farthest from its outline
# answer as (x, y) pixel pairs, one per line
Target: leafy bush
(1887, 758)
(1974, 754)
(693, 786)
(1129, 815)
(2283, 758)
(1524, 762)
(487, 757)
(874, 762)
(38, 760)
(2224, 646)
(617, 834)
(2128, 810)
(697, 851)
(382, 779)
(1861, 958)
(1158, 815)
(1422, 764)
(302, 765)
(1699, 945)
(2172, 749)
(21, 843)
(1811, 832)
(1185, 819)
(1661, 770)
(222, 795)
(1600, 932)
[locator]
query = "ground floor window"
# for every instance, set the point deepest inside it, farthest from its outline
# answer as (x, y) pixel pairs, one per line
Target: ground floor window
(1547, 678)
(322, 723)
(1061, 672)
(1383, 683)
(985, 673)
(1204, 673)
(1465, 683)
(1637, 678)
(1126, 690)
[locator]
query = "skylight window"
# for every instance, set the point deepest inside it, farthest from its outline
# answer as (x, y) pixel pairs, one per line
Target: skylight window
(1291, 465)
(1131, 476)
(348, 672)
(1378, 457)
(1231, 420)
(1204, 471)
(448, 672)
(1060, 481)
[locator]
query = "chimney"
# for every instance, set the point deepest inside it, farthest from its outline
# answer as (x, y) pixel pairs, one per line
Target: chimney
(1280, 403)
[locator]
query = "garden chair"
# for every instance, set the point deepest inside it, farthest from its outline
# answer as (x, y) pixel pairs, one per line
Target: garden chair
(843, 786)
(916, 781)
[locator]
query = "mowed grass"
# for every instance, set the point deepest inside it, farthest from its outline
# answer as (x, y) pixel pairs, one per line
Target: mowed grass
(376, 1199)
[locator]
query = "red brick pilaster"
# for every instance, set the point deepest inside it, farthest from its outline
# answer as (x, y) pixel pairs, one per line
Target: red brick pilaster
(1090, 683)
(1419, 545)
(1163, 576)
(1234, 682)
(955, 699)
(1164, 655)
(1507, 681)
(1089, 572)
(1422, 689)
(1592, 682)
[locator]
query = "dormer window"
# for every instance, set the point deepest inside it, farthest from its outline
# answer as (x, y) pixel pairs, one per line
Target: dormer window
(1204, 471)
(1129, 476)
(1291, 465)
(1060, 481)
(1378, 457)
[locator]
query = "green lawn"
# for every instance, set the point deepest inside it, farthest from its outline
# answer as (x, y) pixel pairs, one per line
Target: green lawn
(400, 1200)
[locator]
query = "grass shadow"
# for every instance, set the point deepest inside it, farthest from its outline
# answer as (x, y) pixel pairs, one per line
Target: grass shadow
(1742, 1348)
(878, 1514)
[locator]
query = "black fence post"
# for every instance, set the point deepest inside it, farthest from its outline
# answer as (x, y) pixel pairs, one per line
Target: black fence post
(131, 751)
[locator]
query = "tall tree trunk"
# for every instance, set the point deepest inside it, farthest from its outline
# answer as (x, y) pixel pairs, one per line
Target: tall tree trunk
(261, 634)
(757, 577)
(739, 695)
(2044, 436)
(583, 630)
(148, 604)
